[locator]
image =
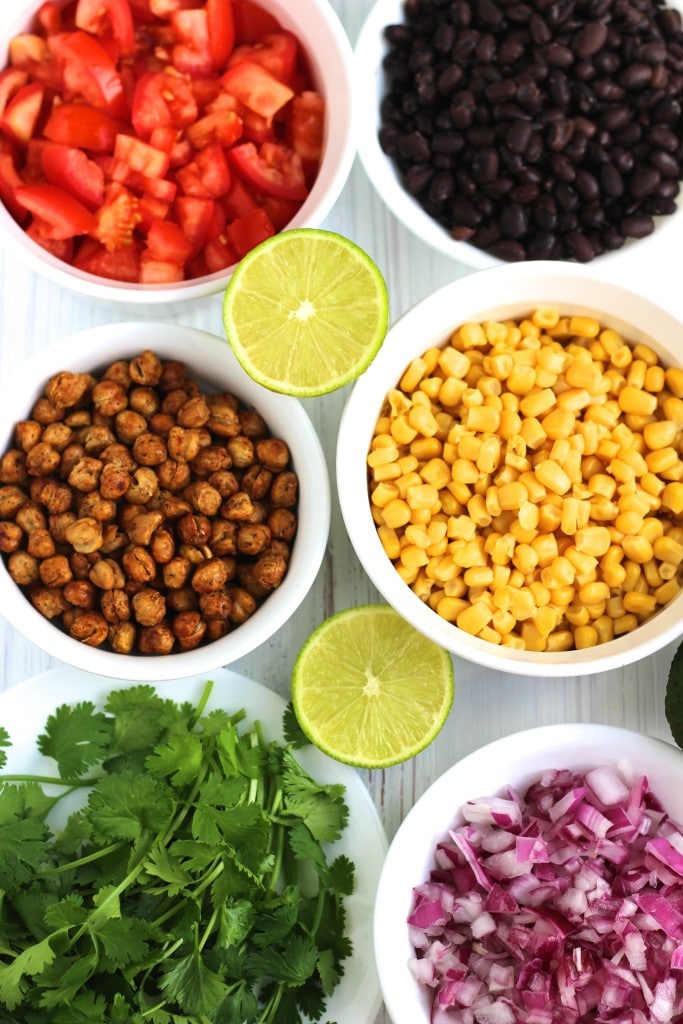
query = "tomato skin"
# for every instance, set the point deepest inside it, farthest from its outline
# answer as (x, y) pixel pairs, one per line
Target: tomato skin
(77, 124)
(256, 88)
(221, 32)
(90, 71)
(306, 126)
(207, 175)
(11, 80)
(141, 157)
(65, 216)
(222, 126)
(277, 52)
(117, 264)
(247, 231)
(62, 249)
(252, 22)
(195, 215)
(166, 242)
(9, 183)
(272, 168)
(22, 112)
(69, 168)
(93, 16)
(162, 101)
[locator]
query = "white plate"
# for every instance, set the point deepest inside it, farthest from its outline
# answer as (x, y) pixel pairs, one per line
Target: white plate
(25, 708)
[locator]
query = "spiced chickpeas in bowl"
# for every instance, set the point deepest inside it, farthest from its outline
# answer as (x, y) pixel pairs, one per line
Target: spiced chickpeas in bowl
(509, 470)
(160, 512)
(148, 148)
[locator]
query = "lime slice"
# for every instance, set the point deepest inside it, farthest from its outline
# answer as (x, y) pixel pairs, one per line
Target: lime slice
(305, 312)
(369, 689)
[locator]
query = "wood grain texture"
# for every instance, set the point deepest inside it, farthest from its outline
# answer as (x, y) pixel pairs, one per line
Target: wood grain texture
(34, 313)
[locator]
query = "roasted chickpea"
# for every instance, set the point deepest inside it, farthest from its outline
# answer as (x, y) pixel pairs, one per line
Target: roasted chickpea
(23, 568)
(194, 528)
(209, 576)
(149, 449)
(112, 538)
(144, 484)
(252, 424)
(31, 517)
(84, 535)
(85, 476)
(193, 413)
(121, 636)
(253, 539)
(49, 601)
(256, 481)
(182, 600)
(11, 536)
(282, 523)
(211, 459)
(174, 475)
(241, 451)
(162, 546)
(161, 423)
(139, 565)
(144, 400)
(149, 607)
(239, 507)
(45, 412)
(172, 507)
(273, 454)
(145, 369)
(55, 571)
(173, 375)
(107, 575)
(223, 538)
(114, 481)
(183, 443)
(269, 570)
(189, 630)
(13, 467)
(40, 543)
(285, 489)
(93, 504)
(224, 420)
(118, 455)
(58, 523)
(204, 498)
(66, 389)
(119, 372)
(243, 604)
(27, 433)
(11, 499)
(115, 605)
(70, 457)
(176, 572)
(89, 627)
(142, 525)
(80, 594)
(156, 639)
(97, 438)
(109, 397)
(129, 425)
(225, 482)
(216, 604)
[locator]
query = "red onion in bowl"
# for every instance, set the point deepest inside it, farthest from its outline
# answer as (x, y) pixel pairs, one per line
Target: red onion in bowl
(560, 906)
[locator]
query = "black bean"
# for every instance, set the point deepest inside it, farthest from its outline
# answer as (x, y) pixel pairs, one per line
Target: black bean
(466, 213)
(636, 76)
(518, 135)
(611, 180)
(637, 225)
(545, 213)
(441, 187)
(586, 184)
(417, 178)
(541, 245)
(643, 181)
(514, 220)
(580, 247)
(509, 250)
(449, 79)
(669, 188)
(526, 193)
(450, 143)
(414, 147)
(590, 38)
(485, 164)
(658, 206)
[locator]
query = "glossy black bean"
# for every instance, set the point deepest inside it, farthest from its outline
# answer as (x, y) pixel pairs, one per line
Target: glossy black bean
(541, 245)
(637, 225)
(518, 135)
(414, 147)
(441, 187)
(580, 247)
(643, 181)
(485, 165)
(545, 213)
(526, 194)
(447, 143)
(658, 206)
(590, 38)
(508, 249)
(611, 181)
(669, 188)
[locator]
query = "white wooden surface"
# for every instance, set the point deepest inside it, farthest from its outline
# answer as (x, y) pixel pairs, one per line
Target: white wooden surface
(488, 704)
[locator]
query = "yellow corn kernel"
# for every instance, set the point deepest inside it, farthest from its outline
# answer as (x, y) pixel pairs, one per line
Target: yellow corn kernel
(585, 636)
(423, 586)
(391, 471)
(483, 418)
(522, 379)
(584, 326)
(390, 541)
(476, 507)
(422, 420)
(667, 549)
(422, 496)
(652, 485)
(604, 626)
(560, 423)
(635, 401)
(454, 363)
(549, 517)
(461, 528)
(532, 432)
(525, 558)
(413, 374)
(652, 574)
(674, 380)
(655, 379)
(407, 480)
(510, 424)
(593, 540)
(559, 573)
(474, 618)
(533, 639)
(396, 514)
(478, 576)
(436, 472)
(552, 476)
(661, 460)
(672, 497)
(401, 430)
(412, 556)
(560, 640)
(667, 591)
(632, 577)
(416, 534)
(537, 403)
(637, 549)
(601, 483)
(408, 575)
(593, 593)
(625, 624)
(425, 448)
(513, 642)
(512, 496)
(585, 565)
(450, 608)
(464, 471)
(545, 317)
(672, 409)
(503, 621)
(574, 399)
(382, 456)
(577, 615)
(630, 523)
(523, 604)
(468, 553)
(545, 545)
(668, 570)
(488, 458)
(528, 515)
(636, 374)
(384, 493)
(472, 335)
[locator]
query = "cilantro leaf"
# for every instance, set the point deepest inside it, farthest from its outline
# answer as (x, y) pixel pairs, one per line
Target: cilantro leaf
(23, 841)
(123, 942)
(190, 984)
(140, 717)
(179, 759)
(292, 731)
(673, 700)
(77, 737)
(5, 741)
(320, 806)
(123, 806)
(30, 962)
(293, 967)
(342, 875)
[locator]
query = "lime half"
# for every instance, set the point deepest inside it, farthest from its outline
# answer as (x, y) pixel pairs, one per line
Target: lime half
(305, 312)
(369, 689)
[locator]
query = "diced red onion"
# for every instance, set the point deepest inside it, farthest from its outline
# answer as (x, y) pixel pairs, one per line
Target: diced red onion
(561, 906)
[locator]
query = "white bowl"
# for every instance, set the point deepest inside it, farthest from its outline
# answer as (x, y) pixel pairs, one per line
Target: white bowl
(515, 760)
(211, 362)
(370, 84)
(512, 290)
(330, 57)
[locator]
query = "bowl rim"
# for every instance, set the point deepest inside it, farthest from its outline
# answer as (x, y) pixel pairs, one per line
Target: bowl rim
(470, 296)
(335, 167)
(369, 50)
(199, 349)
(515, 759)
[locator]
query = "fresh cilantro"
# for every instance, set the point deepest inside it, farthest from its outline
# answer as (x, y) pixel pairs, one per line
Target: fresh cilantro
(193, 885)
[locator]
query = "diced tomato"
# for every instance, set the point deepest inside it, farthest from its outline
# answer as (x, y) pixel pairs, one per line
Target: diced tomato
(207, 175)
(306, 115)
(166, 241)
(160, 101)
(64, 214)
(122, 264)
(195, 216)
(141, 157)
(103, 16)
(252, 22)
(247, 231)
(221, 32)
(50, 17)
(30, 53)
(22, 112)
(219, 254)
(192, 28)
(279, 210)
(11, 80)
(150, 209)
(165, 8)
(256, 88)
(276, 52)
(62, 249)
(78, 124)
(222, 126)
(238, 200)
(117, 218)
(9, 183)
(90, 71)
(71, 169)
(154, 271)
(273, 168)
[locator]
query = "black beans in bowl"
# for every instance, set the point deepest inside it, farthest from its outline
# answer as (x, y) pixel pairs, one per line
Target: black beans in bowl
(537, 129)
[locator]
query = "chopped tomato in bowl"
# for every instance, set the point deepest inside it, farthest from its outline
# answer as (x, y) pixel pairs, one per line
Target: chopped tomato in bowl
(147, 145)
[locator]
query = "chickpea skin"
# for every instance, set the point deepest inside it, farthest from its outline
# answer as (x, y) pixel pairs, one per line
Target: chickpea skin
(89, 627)
(149, 607)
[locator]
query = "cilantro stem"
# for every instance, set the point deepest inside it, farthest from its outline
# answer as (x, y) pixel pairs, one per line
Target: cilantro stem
(201, 704)
(49, 780)
(271, 1006)
(88, 859)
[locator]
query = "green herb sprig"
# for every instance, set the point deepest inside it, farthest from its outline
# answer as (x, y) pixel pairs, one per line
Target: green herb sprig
(193, 885)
